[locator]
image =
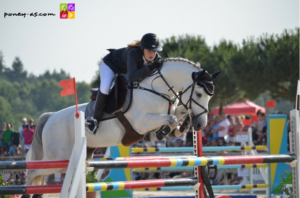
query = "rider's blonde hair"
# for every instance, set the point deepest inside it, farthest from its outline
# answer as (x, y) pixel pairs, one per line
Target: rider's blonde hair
(134, 44)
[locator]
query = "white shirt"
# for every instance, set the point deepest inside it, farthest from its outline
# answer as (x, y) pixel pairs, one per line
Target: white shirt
(225, 123)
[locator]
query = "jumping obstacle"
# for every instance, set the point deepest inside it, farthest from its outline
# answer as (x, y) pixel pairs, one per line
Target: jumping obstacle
(281, 135)
(205, 149)
(101, 186)
(191, 168)
(221, 187)
(76, 167)
(161, 162)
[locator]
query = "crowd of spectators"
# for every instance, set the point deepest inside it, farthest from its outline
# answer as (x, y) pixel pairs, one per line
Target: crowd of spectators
(12, 142)
(219, 131)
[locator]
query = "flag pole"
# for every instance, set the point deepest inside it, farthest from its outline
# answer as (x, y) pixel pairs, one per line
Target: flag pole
(77, 114)
(297, 94)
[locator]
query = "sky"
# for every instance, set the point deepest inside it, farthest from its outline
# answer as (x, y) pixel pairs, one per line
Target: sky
(77, 45)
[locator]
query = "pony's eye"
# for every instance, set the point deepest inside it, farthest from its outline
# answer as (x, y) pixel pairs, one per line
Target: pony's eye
(199, 95)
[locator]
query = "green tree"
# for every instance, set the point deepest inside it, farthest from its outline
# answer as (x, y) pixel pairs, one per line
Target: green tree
(17, 73)
(6, 115)
(2, 66)
(271, 63)
(226, 91)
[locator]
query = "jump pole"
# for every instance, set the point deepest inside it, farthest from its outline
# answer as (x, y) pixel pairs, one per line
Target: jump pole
(204, 149)
(108, 163)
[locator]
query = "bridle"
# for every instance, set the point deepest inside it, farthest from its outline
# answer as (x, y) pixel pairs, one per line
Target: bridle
(188, 105)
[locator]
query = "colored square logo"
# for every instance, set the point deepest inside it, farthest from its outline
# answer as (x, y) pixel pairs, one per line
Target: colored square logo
(71, 6)
(67, 10)
(71, 15)
(63, 7)
(63, 14)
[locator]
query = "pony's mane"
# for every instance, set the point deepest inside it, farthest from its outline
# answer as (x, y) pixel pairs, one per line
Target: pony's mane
(196, 65)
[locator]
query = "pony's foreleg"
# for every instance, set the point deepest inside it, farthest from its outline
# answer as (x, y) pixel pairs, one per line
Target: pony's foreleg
(153, 122)
(180, 112)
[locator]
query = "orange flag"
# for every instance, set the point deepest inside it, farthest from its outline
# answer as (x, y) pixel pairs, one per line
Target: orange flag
(246, 122)
(271, 103)
(69, 86)
(254, 118)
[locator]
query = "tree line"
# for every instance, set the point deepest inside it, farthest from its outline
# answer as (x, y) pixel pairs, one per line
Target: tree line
(268, 65)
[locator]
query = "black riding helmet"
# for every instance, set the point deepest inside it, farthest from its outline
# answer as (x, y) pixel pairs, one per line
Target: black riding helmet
(150, 41)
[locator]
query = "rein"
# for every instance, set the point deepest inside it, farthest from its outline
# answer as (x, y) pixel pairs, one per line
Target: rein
(187, 106)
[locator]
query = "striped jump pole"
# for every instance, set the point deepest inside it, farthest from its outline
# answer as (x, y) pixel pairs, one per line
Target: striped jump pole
(142, 162)
(38, 164)
(204, 149)
(101, 186)
(195, 161)
(221, 187)
(191, 168)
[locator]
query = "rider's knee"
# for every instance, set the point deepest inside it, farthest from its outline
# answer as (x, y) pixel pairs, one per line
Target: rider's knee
(105, 89)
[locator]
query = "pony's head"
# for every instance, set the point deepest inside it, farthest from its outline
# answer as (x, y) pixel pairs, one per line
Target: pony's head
(198, 95)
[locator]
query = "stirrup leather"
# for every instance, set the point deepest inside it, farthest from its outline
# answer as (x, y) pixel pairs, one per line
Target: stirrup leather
(90, 120)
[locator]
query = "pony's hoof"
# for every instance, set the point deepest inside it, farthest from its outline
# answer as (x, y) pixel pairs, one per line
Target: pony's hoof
(163, 133)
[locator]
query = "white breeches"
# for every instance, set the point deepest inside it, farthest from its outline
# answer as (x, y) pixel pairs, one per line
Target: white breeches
(106, 78)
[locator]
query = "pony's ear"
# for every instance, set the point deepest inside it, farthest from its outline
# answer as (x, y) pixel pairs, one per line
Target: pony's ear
(202, 74)
(215, 75)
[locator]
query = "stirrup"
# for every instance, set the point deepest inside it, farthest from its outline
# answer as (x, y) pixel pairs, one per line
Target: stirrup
(89, 121)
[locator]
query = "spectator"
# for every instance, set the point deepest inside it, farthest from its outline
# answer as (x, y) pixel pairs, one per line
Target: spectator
(179, 143)
(24, 122)
(28, 138)
(31, 123)
(1, 133)
(221, 142)
(7, 137)
(214, 132)
(3, 153)
(259, 127)
(214, 142)
(208, 130)
(236, 128)
(230, 136)
(12, 149)
(21, 128)
(216, 179)
(222, 128)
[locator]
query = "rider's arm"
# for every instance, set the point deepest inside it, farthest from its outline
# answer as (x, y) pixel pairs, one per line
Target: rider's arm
(133, 73)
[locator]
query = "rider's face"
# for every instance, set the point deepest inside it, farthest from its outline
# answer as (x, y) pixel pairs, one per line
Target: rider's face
(149, 54)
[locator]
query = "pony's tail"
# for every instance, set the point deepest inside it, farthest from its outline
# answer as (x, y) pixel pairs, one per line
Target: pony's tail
(36, 149)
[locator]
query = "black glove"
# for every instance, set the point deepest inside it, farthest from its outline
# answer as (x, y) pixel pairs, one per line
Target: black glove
(157, 64)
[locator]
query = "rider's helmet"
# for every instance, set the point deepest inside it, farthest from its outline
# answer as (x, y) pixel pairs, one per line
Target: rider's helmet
(150, 41)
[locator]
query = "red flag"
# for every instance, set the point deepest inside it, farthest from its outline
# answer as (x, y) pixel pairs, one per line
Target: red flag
(254, 118)
(246, 122)
(69, 86)
(271, 103)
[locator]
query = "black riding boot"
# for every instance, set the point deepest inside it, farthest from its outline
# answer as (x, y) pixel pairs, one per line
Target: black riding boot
(93, 122)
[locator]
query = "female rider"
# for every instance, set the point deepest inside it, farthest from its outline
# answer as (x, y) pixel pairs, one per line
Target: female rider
(136, 61)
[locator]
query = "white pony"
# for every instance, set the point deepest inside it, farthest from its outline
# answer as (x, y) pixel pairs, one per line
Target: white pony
(54, 136)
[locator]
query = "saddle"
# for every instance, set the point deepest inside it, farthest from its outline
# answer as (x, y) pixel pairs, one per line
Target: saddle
(119, 101)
